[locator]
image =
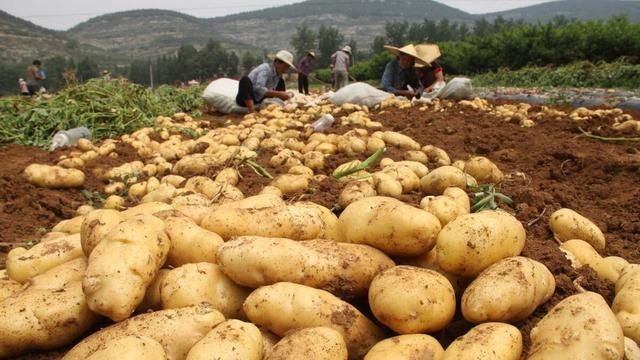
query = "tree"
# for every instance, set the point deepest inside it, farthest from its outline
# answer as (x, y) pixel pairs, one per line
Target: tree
(232, 64)
(329, 40)
(248, 61)
(396, 32)
(187, 62)
(303, 40)
(87, 69)
(139, 72)
(55, 68)
(378, 44)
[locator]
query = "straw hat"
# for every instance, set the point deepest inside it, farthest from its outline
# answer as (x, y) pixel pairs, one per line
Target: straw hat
(312, 54)
(406, 50)
(347, 49)
(286, 57)
(427, 53)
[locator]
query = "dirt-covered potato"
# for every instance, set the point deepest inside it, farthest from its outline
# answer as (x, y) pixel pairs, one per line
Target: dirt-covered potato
(567, 224)
(581, 326)
(631, 350)
(96, 226)
(580, 253)
(497, 341)
(291, 184)
(230, 340)
(437, 155)
(70, 226)
(189, 242)
(346, 270)
(316, 343)
(508, 291)
(471, 243)
(400, 140)
(355, 191)
(48, 313)
(483, 170)
(192, 284)
(430, 261)
(54, 177)
(123, 265)
(412, 300)
(390, 225)
(454, 202)
(435, 182)
(23, 264)
(114, 202)
(626, 304)
(229, 176)
(287, 221)
(286, 306)
(152, 298)
(149, 208)
(8, 287)
(132, 347)
(177, 330)
(386, 185)
(406, 347)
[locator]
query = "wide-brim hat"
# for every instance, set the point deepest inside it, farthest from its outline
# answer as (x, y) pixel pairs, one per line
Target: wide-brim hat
(428, 53)
(347, 49)
(312, 54)
(286, 57)
(406, 50)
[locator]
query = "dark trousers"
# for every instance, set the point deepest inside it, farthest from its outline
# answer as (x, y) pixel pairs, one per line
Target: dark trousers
(245, 91)
(33, 89)
(303, 84)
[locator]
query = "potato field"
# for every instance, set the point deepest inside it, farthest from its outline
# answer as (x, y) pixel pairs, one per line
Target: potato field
(449, 230)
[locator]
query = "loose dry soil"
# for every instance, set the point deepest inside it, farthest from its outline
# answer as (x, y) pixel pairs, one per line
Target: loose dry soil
(549, 166)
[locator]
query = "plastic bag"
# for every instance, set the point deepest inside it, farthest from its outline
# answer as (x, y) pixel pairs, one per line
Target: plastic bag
(221, 95)
(458, 89)
(359, 94)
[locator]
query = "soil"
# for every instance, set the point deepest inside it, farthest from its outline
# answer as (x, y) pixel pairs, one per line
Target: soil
(549, 166)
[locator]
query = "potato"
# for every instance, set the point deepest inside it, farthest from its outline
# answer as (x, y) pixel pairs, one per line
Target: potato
(579, 327)
(626, 304)
(446, 208)
(436, 155)
(149, 208)
(229, 340)
(83, 210)
(402, 141)
(355, 191)
(174, 180)
(419, 169)
(286, 306)
(483, 170)
(405, 176)
(85, 144)
(53, 177)
(23, 264)
(435, 182)
(488, 341)
(114, 188)
(177, 330)
(220, 192)
(429, 261)
(580, 253)
(164, 193)
(316, 343)
(152, 300)
(314, 160)
(71, 226)
(346, 270)
(329, 219)
(412, 300)
(8, 286)
(189, 242)
(71, 163)
(471, 243)
(192, 284)
(291, 184)
(617, 264)
(89, 156)
(123, 265)
(508, 291)
(96, 226)
(631, 350)
(130, 347)
(567, 224)
(406, 347)
(269, 341)
(390, 225)
(49, 313)
(287, 221)
(417, 156)
(386, 185)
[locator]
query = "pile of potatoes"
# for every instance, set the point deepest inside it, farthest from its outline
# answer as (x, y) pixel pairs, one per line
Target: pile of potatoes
(196, 269)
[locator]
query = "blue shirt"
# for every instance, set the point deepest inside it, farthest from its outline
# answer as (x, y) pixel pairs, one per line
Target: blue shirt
(264, 78)
(394, 78)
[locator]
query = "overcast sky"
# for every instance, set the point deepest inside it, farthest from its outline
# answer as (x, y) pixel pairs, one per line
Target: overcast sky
(64, 14)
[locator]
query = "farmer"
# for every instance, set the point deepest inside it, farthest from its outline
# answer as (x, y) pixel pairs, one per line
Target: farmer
(399, 77)
(340, 65)
(34, 76)
(106, 75)
(431, 75)
(265, 81)
(22, 85)
(304, 68)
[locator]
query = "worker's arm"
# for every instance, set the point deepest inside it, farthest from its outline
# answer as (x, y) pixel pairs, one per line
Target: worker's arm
(283, 95)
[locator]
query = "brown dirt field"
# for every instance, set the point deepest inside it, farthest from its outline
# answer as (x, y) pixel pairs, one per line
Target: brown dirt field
(560, 167)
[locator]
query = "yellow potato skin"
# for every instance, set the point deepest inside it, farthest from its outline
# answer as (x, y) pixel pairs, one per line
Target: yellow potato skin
(8, 287)
(286, 306)
(189, 242)
(436, 181)
(581, 253)
(96, 226)
(123, 265)
(507, 291)
(412, 300)
(192, 284)
(406, 347)
(130, 348)
(53, 177)
(317, 343)
(626, 304)
(345, 270)
(489, 341)
(229, 340)
(471, 243)
(390, 225)
(567, 224)
(152, 300)
(579, 327)
(23, 264)
(483, 170)
(177, 330)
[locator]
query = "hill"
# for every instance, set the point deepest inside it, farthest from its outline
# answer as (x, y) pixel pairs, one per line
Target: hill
(578, 9)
